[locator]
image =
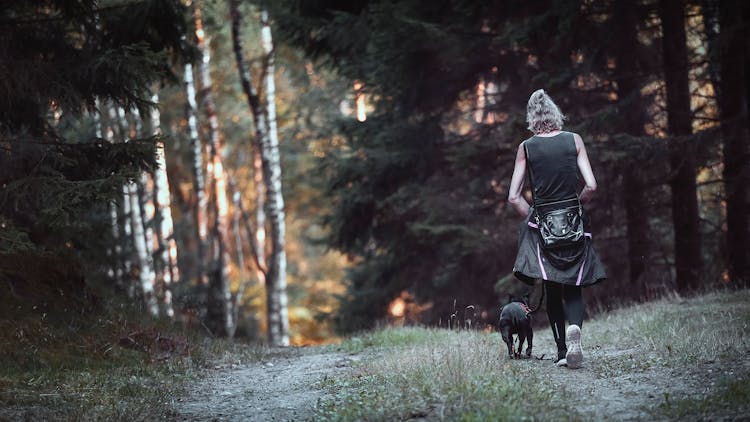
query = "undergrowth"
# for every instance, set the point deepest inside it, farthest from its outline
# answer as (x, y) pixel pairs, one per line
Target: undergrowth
(111, 363)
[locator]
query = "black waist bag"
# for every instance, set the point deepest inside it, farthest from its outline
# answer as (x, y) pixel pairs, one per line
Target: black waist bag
(560, 223)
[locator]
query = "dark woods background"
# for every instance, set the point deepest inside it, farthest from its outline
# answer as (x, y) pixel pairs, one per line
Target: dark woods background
(414, 197)
(658, 89)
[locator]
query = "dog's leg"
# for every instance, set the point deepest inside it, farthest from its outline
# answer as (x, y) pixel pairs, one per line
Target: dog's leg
(508, 339)
(530, 338)
(521, 340)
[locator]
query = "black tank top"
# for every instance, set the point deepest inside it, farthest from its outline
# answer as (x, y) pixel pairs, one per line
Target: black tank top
(552, 164)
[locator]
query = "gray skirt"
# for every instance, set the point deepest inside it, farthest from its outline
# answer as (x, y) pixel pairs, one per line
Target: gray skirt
(533, 262)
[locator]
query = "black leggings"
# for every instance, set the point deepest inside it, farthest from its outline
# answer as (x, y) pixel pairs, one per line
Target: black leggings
(563, 300)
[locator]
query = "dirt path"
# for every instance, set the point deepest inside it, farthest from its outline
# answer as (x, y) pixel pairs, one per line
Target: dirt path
(611, 385)
(279, 388)
(624, 385)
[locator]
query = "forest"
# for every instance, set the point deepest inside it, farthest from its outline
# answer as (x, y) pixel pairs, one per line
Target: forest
(289, 172)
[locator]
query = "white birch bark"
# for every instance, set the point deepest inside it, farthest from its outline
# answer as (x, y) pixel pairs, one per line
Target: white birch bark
(146, 273)
(237, 298)
(267, 149)
(122, 213)
(145, 193)
(259, 236)
(219, 312)
(199, 208)
(166, 252)
(278, 316)
(134, 227)
(114, 250)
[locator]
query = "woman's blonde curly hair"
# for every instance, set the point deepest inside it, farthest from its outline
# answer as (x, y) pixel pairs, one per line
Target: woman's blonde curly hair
(542, 114)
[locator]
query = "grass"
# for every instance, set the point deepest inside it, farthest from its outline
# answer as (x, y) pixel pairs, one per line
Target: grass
(730, 399)
(417, 372)
(80, 368)
(434, 374)
(677, 331)
(388, 337)
(108, 365)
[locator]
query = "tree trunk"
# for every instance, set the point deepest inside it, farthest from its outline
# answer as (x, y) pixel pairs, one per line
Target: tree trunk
(165, 262)
(145, 269)
(237, 298)
(734, 129)
(145, 197)
(259, 236)
(687, 237)
(632, 121)
(278, 318)
(123, 211)
(114, 250)
(218, 310)
(278, 321)
(199, 188)
(249, 230)
(138, 230)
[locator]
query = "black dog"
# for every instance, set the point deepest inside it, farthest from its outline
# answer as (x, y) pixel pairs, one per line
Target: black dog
(515, 318)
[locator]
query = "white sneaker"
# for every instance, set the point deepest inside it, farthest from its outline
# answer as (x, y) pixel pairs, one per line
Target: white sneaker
(574, 357)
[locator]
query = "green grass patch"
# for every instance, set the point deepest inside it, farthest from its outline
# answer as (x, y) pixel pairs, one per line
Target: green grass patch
(413, 372)
(391, 337)
(677, 331)
(436, 374)
(100, 365)
(109, 364)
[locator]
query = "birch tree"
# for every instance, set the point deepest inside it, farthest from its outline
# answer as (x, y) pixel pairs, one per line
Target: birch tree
(266, 139)
(278, 320)
(199, 189)
(145, 194)
(219, 312)
(121, 214)
(136, 228)
(115, 250)
(165, 258)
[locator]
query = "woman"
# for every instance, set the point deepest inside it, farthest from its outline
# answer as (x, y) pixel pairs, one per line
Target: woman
(556, 161)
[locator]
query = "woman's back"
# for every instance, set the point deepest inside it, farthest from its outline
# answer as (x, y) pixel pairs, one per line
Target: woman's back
(553, 168)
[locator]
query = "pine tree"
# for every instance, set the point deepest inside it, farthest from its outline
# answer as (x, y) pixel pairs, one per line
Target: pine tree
(687, 236)
(67, 56)
(733, 103)
(632, 120)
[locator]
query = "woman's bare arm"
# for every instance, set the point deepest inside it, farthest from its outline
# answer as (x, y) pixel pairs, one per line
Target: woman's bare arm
(584, 166)
(515, 192)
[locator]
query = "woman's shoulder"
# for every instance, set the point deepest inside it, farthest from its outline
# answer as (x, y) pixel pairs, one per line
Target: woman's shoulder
(577, 140)
(573, 134)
